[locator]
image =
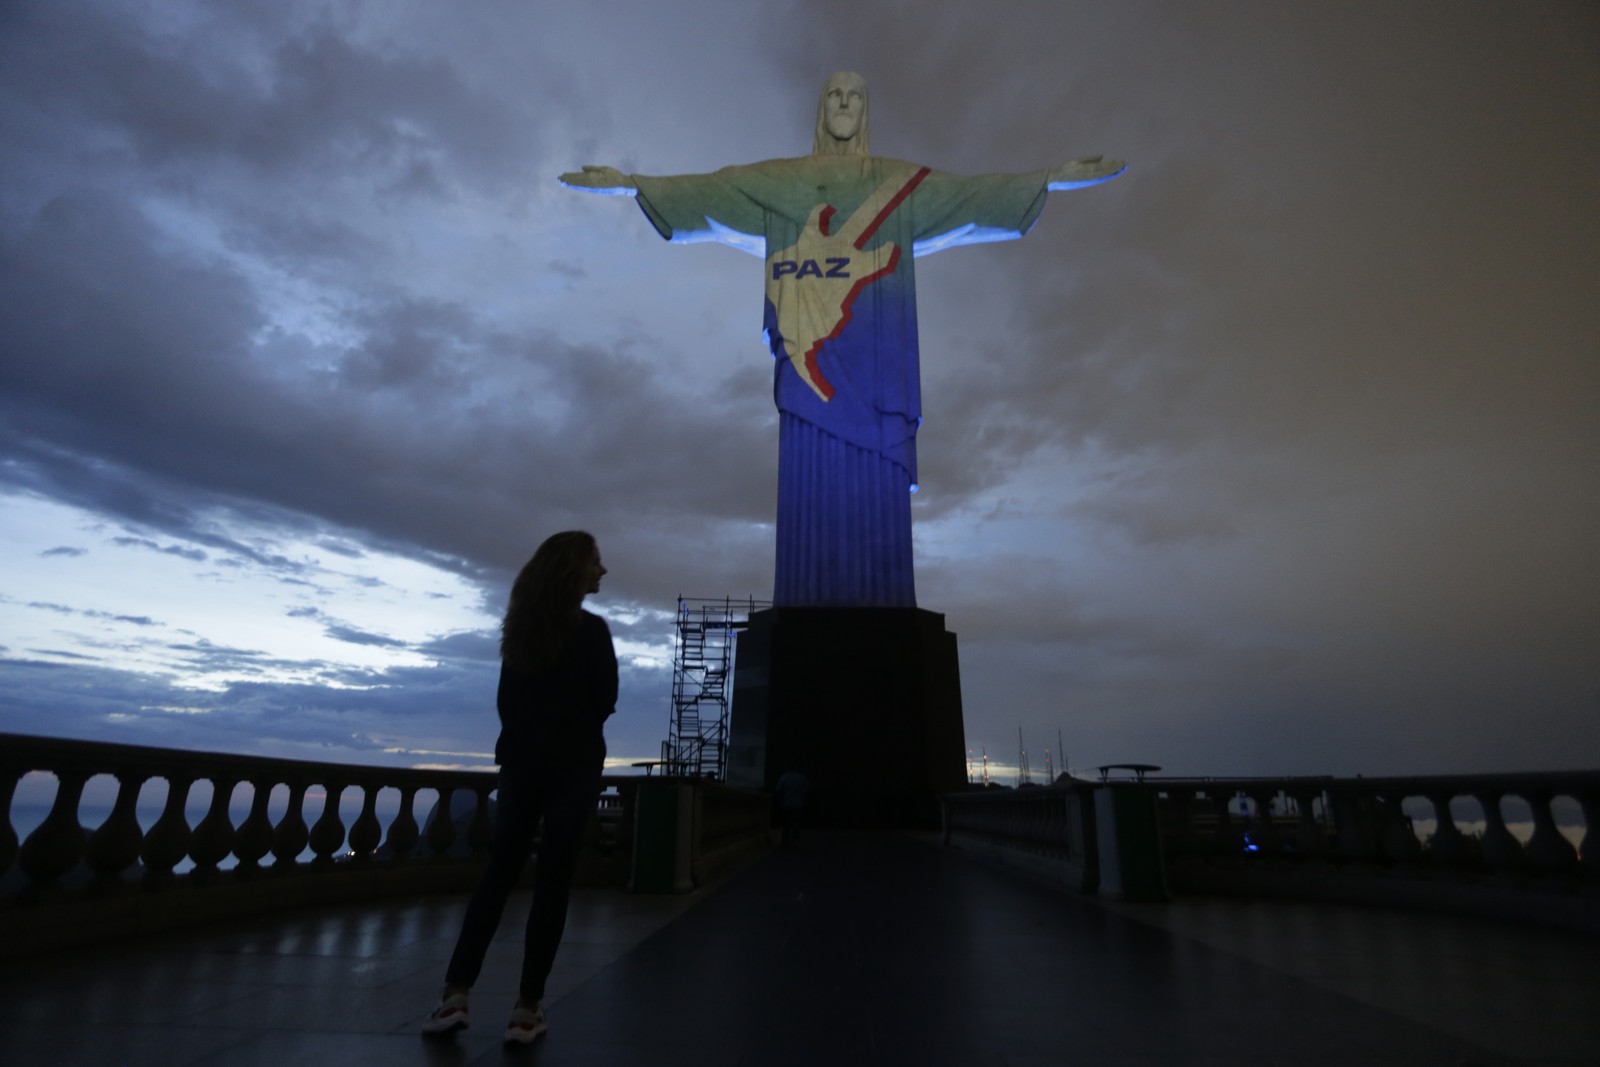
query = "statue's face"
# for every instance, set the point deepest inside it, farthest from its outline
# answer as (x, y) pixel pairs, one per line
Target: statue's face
(844, 101)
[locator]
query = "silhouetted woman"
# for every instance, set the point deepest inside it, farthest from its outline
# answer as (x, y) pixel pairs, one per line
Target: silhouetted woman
(558, 683)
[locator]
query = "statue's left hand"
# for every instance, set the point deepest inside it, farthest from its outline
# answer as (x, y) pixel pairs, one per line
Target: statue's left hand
(608, 181)
(1085, 171)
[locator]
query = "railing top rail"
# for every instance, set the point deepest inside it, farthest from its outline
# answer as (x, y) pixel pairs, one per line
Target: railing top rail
(1417, 783)
(27, 752)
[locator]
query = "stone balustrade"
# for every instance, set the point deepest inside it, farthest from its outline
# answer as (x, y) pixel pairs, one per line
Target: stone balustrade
(729, 825)
(1381, 840)
(119, 846)
(1048, 830)
(298, 841)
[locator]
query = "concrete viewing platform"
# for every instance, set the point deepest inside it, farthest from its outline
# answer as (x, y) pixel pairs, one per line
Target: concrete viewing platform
(856, 948)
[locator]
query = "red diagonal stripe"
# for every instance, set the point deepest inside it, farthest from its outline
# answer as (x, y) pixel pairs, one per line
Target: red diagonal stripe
(846, 313)
(894, 202)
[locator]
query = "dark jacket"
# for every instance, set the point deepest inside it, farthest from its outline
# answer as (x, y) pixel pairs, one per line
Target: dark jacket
(554, 717)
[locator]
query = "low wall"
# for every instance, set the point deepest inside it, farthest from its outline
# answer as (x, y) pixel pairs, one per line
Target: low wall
(67, 883)
(1048, 831)
(1395, 841)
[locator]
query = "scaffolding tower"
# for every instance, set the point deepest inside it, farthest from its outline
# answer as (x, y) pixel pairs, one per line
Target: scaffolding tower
(702, 672)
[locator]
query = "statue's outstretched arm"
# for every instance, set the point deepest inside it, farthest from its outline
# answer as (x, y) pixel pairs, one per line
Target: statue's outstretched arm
(607, 181)
(1084, 172)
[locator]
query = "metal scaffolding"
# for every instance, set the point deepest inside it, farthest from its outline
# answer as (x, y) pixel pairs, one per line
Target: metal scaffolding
(702, 672)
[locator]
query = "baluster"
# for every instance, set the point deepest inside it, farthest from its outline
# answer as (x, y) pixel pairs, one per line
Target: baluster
(114, 847)
(365, 833)
(1547, 849)
(442, 828)
(626, 797)
(328, 834)
(1399, 841)
(57, 844)
(253, 839)
(403, 830)
(1310, 840)
(1589, 848)
(1499, 848)
(1267, 839)
(1186, 842)
(1227, 840)
(1358, 835)
(290, 836)
(213, 839)
(9, 776)
(1448, 846)
(1053, 824)
(481, 832)
(1076, 835)
(168, 840)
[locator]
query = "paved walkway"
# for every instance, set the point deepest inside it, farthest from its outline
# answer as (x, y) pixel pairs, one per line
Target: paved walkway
(856, 949)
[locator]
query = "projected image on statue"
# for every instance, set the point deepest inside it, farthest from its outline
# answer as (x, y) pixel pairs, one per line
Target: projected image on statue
(840, 231)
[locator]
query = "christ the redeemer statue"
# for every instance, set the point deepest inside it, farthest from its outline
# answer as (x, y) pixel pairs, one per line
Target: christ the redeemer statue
(839, 231)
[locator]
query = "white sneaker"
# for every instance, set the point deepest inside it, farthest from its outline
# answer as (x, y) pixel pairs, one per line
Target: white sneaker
(448, 1017)
(525, 1025)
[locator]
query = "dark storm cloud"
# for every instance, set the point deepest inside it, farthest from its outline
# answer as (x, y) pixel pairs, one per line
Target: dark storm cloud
(155, 365)
(151, 367)
(356, 636)
(480, 646)
(44, 605)
(315, 101)
(195, 554)
(86, 613)
(342, 548)
(1348, 262)
(1317, 363)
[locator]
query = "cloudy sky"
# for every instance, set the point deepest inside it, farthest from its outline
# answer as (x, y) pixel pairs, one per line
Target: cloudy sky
(1279, 454)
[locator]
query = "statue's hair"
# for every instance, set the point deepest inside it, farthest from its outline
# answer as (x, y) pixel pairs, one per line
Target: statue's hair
(546, 600)
(825, 143)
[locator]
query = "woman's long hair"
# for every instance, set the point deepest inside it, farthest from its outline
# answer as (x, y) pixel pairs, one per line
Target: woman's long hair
(546, 600)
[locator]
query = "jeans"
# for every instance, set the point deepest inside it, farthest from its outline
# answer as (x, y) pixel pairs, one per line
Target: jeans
(565, 797)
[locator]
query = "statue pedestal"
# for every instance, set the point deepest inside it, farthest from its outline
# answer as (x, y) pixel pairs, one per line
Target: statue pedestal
(865, 702)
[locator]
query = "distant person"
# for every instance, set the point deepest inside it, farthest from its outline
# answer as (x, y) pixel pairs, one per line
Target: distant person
(558, 684)
(791, 793)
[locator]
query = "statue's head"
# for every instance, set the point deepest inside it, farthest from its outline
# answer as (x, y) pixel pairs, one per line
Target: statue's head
(842, 116)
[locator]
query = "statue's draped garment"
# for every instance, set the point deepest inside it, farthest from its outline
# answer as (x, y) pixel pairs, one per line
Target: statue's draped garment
(839, 235)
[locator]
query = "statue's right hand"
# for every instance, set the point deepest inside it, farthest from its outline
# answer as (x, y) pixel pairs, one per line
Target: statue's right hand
(606, 180)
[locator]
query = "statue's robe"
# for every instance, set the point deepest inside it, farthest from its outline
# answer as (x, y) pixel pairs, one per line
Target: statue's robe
(839, 235)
